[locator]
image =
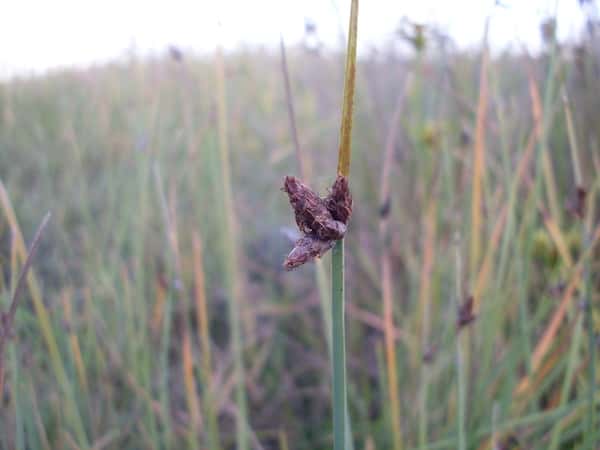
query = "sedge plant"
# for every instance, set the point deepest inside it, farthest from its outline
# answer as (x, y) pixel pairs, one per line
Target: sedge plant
(322, 222)
(321, 277)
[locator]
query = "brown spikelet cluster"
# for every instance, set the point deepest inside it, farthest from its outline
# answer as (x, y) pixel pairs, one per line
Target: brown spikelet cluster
(466, 314)
(429, 354)
(576, 204)
(322, 221)
(510, 442)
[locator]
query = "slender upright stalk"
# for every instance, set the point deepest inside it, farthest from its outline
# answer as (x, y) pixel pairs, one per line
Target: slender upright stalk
(232, 276)
(386, 272)
(479, 160)
(592, 343)
(586, 226)
(345, 147)
(204, 339)
(165, 343)
(340, 438)
(44, 321)
(304, 170)
(8, 318)
(291, 113)
(495, 412)
(339, 347)
(460, 370)
(543, 120)
(425, 316)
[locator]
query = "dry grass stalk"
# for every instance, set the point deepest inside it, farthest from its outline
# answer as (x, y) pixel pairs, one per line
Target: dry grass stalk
(67, 297)
(190, 387)
(200, 300)
(551, 330)
(539, 126)
(236, 306)
(300, 156)
(7, 319)
(385, 202)
(479, 161)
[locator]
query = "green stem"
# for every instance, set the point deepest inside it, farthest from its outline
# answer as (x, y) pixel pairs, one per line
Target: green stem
(164, 364)
(572, 363)
(339, 347)
(591, 421)
(592, 408)
(423, 418)
(231, 260)
(459, 353)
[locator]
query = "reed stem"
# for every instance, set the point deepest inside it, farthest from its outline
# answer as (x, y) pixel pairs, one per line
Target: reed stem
(339, 347)
(460, 370)
(231, 260)
(341, 440)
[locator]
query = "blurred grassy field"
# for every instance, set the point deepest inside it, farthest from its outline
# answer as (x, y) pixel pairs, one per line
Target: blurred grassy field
(124, 338)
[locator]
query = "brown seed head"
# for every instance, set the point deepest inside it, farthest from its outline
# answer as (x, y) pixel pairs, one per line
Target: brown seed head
(576, 204)
(321, 220)
(339, 200)
(465, 313)
(311, 211)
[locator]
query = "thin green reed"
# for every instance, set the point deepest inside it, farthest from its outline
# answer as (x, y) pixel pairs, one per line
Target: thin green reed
(339, 347)
(340, 437)
(460, 369)
(232, 275)
(586, 238)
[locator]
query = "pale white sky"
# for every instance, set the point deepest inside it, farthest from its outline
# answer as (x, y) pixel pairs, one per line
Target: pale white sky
(36, 35)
